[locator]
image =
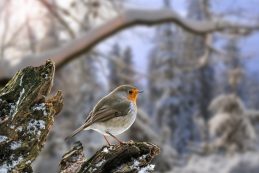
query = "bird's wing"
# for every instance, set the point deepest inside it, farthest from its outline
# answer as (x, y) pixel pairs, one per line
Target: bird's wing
(106, 113)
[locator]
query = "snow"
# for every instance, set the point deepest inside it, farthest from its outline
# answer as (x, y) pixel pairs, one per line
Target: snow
(28, 162)
(19, 129)
(45, 75)
(147, 169)
(7, 167)
(215, 163)
(12, 108)
(100, 163)
(3, 138)
(35, 126)
(135, 164)
(14, 145)
(105, 150)
(40, 107)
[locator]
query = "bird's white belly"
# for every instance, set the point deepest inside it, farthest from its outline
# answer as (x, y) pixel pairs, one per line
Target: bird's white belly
(116, 125)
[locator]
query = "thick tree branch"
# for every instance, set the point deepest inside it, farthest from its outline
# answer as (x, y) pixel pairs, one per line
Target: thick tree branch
(130, 157)
(127, 19)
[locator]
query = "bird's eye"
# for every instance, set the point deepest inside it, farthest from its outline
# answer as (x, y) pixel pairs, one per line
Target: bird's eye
(130, 91)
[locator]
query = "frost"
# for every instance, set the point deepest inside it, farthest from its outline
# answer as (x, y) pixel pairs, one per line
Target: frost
(35, 126)
(147, 169)
(40, 107)
(45, 75)
(19, 129)
(100, 163)
(14, 145)
(137, 165)
(110, 148)
(7, 167)
(105, 150)
(3, 139)
(143, 157)
(28, 162)
(12, 108)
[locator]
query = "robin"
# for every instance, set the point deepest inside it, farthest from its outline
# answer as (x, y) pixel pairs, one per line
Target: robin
(113, 114)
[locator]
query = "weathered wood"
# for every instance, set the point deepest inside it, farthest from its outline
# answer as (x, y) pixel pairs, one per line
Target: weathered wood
(26, 116)
(130, 157)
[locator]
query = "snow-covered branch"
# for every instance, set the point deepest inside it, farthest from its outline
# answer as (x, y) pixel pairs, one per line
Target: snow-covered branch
(129, 157)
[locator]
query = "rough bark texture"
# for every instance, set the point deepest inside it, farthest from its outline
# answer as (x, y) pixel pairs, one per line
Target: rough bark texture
(26, 116)
(130, 157)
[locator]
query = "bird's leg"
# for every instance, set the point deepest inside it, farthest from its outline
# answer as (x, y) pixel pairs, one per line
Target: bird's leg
(107, 140)
(121, 142)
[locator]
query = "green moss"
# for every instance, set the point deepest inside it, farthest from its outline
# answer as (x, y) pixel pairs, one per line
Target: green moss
(28, 114)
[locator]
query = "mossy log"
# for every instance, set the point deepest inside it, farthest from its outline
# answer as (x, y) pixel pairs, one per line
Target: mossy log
(131, 157)
(26, 116)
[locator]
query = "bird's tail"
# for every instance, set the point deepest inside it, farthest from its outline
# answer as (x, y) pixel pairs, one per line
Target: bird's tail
(76, 131)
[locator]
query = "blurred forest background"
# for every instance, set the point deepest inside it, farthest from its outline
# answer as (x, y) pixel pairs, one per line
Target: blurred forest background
(181, 72)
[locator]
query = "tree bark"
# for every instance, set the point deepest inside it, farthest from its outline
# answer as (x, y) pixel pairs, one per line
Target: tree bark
(130, 157)
(26, 116)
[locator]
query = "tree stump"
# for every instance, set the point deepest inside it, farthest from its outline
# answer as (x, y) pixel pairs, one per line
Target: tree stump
(131, 157)
(26, 116)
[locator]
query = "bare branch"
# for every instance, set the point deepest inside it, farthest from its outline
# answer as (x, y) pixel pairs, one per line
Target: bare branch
(49, 6)
(129, 18)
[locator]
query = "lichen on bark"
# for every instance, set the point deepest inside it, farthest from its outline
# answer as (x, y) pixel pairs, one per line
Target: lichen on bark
(26, 116)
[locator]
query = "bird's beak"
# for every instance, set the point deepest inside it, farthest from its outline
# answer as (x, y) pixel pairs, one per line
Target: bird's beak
(140, 91)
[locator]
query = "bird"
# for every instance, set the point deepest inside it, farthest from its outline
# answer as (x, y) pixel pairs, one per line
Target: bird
(113, 114)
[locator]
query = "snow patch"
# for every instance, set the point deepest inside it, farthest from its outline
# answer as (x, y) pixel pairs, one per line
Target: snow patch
(100, 163)
(19, 129)
(147, 169)
(28, 162)
(12, 108)
(35, 126)
(141, 169)
(45, 75)
(3, 139)
(40, 107)
(8, 167)
(14, 145)
(105, 150)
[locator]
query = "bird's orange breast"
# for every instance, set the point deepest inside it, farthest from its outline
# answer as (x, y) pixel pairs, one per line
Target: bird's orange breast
(133, 97)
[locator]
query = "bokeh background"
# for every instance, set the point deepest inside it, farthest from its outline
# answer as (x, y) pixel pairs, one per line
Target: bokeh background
(180, 71)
